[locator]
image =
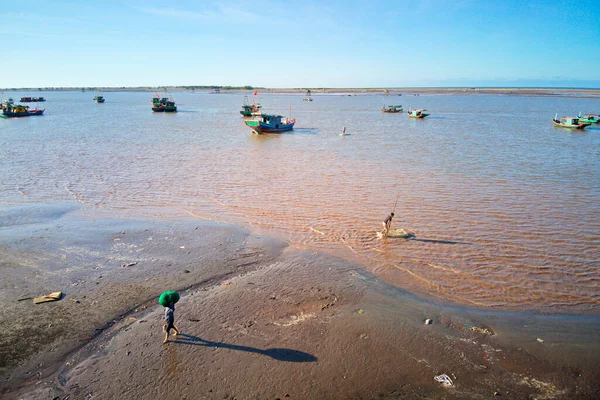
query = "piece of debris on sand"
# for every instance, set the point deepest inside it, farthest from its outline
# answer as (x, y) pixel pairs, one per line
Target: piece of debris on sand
(54, 296)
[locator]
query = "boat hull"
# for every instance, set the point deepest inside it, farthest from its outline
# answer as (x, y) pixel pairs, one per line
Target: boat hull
(260, 127)
(36, 112)
(390, 111)
(578, 126)
(158, 109)
(8, 114)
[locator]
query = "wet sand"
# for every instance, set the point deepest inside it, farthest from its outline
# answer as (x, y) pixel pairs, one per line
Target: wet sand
(258, 320)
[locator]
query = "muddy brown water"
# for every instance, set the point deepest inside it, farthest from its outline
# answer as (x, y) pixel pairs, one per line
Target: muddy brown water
(504, 206)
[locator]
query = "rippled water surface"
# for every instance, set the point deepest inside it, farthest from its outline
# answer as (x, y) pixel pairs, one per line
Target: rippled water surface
(505, 207)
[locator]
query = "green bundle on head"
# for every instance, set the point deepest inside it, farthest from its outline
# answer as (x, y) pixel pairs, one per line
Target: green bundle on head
(167, 298)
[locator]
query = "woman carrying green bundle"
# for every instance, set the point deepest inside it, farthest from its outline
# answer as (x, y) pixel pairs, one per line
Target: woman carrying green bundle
(168, 300)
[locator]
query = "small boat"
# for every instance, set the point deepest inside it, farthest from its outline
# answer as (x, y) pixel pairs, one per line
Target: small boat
(170, 106)
(6, 104)
(157, 105)
(32, 99)
(36, 112)
(271, 124)
(308, 96)
(249, 110)
(391, 109)
(99, 99)
(418, 113)
(568, 122)
(589, 118)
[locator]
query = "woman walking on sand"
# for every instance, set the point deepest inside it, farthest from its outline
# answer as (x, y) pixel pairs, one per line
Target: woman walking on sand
(169, 322)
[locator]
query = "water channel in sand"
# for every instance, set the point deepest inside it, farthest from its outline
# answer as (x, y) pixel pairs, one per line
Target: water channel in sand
(504, 206)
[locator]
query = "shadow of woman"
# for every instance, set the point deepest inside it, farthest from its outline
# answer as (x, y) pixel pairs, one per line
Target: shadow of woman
(288, 355)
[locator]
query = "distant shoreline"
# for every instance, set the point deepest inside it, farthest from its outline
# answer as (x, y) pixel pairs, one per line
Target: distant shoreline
(315, 91)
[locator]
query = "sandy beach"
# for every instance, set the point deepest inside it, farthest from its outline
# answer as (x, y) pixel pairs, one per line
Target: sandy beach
(258, 320)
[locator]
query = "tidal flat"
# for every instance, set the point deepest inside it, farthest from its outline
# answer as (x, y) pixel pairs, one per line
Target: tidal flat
(258, 319)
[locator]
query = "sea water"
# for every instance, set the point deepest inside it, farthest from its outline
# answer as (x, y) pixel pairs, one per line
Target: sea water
(505, 208)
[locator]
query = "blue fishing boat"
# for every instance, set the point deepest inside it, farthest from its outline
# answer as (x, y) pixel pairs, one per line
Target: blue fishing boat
(271, 124)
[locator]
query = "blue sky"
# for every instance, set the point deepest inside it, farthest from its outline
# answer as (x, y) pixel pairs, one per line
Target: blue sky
(304, 43)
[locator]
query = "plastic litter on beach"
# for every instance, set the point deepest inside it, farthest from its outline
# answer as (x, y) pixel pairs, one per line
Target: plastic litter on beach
(54, 296)
(428, 321)
(444, 380)
(540, 340)
(131, 264)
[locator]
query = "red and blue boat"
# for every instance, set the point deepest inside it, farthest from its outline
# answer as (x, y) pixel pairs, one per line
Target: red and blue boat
(271, 124)
(32, 99)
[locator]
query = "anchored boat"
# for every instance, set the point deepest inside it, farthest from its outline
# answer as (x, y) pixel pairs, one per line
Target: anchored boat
(271, 124)
(13, 111)
(568, 122)
(163, 104)
(391, 109)
(249, 110)
(32, 99)
(157, 104)
(418, 113)
(589, 118)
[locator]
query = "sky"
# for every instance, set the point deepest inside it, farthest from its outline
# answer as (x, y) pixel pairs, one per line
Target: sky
(298, 44)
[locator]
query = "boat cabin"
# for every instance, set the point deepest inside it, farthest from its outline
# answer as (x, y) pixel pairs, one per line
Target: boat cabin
(569, 121)
(272, 119)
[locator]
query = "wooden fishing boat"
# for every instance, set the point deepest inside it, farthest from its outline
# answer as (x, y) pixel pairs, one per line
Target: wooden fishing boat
(589, 118)
(99, 99)
(13, 111)
(249, 110)
(271, 124)
(170, 106)
(417, 113)
(392, 109)
(157, 105)
(32, 99)
(568, 122)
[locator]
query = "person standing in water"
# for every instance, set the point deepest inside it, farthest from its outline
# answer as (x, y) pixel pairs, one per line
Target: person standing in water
(387, 224)
(169, 322)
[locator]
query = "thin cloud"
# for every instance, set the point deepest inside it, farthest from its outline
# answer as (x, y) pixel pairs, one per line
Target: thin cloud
(221, 14)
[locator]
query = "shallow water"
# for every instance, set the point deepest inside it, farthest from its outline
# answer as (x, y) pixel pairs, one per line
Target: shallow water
(504, 206)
